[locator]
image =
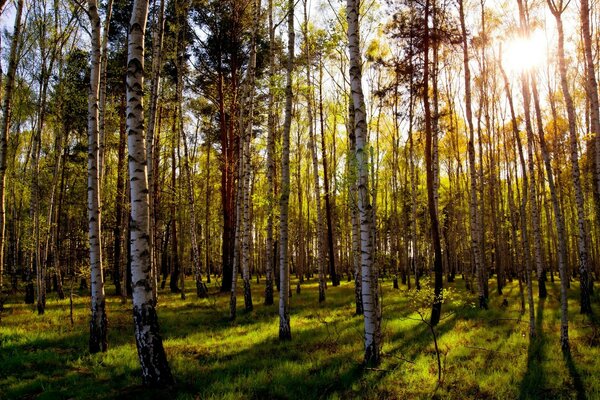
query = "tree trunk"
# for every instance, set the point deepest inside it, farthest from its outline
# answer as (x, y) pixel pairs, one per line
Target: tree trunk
(155, 369)
(370, 290)
(353, 195)
(269, 256)
(120, 201)
(436, 309)
(473, 206)
(315, 164)
(591, 89)
(523, 204)
(5, 127)
(328, 217)
(157, 45)
(285, 332)
(585, 301)
(98, 322)
(174, 254)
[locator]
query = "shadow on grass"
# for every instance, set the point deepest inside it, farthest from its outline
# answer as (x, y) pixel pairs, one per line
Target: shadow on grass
(574, 373)
(533, 384)
(320, 361)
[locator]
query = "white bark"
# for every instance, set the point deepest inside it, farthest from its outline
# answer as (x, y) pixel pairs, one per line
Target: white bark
(473, 206)
(270, 164)
(155, 369)
(5, 127)
(285, 332)
(157, 39)
(574, 156)
(315, 163)
(98, 323)
(370, 292)
(562, 256)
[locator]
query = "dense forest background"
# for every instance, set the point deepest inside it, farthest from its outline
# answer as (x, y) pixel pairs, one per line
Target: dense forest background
(439, 155)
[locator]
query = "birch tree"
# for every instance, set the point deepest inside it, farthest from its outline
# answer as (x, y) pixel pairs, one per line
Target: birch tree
(315, 163)
(270, 257)
(99, 321)
(285, 332)
(473, 204)
(153, 360)
(557, 10)
(5, 126)
(370, 291)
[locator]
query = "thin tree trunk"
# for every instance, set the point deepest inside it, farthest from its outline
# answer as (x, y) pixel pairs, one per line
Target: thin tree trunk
(98, 321)
(269, 256)
(522, 207)
(585, 301)
(315, 165)
(120, 201)
(157, 45)
(5, 126)
(246, 126)
(102, 91)
(328, 217)
(591, 89)
(285, 332)
(436, 309)
(353, 195)
(174, 256)
(473, 206)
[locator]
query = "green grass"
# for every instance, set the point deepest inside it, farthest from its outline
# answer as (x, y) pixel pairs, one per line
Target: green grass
(486, 354)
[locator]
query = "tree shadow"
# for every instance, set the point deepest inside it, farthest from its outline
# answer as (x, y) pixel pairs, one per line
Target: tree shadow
(534, 381)
(574, 373)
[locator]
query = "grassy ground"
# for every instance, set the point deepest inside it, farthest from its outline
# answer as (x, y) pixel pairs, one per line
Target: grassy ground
(486, 354)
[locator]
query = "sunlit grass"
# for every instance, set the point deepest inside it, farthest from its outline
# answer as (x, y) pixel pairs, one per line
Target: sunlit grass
(485, 354)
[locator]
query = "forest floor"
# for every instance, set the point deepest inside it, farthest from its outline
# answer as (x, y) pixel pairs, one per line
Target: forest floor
(485, 354)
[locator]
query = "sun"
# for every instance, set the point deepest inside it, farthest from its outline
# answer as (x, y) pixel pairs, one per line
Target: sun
(522, 54)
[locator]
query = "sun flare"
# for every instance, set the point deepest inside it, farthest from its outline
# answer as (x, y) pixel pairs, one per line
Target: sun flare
(525, 53)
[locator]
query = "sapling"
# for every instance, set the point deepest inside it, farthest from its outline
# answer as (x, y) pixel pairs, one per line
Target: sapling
(420, 302)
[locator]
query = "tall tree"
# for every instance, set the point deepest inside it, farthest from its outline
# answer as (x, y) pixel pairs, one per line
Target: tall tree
(285, 332)
(591, 89)
(430, 177)
(585, 302)
(315, 162)
(473, 203)
(270, 257)
(99, 321)
(5, 125)
(153, 360)
(370, 290)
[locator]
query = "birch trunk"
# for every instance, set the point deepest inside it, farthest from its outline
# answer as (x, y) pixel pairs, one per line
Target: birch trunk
(315, 164)
(98, 322)
(119, 202)
(585, 301)
(591, 89)
(522, 209)
(102, 91)
(153, 360)
(157, 45)
(246, 126)
(285, 332)
(431, 172)
(370, 291)
(355, 217)
(5, 127)
(473, 206)
(269, 256)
